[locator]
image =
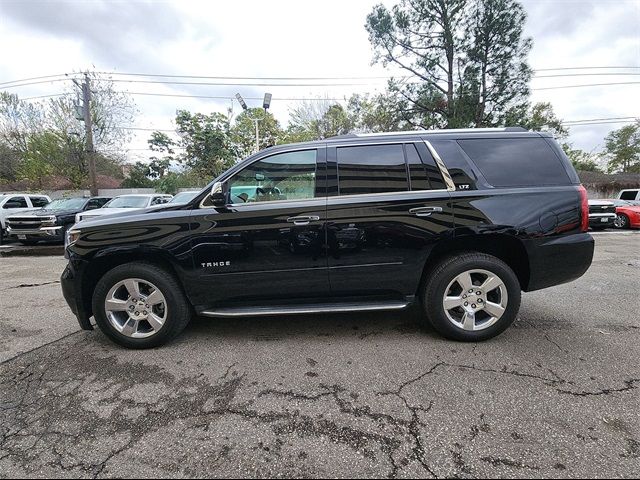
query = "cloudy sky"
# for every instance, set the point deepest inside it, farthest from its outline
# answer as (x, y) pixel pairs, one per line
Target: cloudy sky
(299, 39)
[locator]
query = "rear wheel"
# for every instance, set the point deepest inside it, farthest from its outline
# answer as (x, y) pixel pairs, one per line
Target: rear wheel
(621, 221)
(140, 305)
(471, 297)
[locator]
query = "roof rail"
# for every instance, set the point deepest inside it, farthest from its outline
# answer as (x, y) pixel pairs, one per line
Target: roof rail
(445, 131)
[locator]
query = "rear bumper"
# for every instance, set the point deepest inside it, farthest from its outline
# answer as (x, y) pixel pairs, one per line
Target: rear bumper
(558, 260)
(71, 282)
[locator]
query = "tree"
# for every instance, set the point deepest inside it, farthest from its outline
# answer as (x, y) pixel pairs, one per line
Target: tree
(378, 113)
(622, 147)
(207, 143)
(315, 122)
(243, 132)
(138, 177)
(581, 160)
(466, 59)
(540, 118)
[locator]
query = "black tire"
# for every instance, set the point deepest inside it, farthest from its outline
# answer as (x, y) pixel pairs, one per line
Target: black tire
(178, 308)
(444, 272)
(622, 221)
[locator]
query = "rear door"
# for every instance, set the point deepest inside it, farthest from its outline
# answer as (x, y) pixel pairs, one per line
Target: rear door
(388, 206)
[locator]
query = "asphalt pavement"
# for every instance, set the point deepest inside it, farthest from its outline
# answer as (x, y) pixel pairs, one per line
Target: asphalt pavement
(352, 395)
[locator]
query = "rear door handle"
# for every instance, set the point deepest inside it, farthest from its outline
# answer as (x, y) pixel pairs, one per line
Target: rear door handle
(303, 220)
(424, 211)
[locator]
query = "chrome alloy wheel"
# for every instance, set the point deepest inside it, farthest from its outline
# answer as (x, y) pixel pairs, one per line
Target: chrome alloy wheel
(136, 308)
(620, 221)
(475, 300)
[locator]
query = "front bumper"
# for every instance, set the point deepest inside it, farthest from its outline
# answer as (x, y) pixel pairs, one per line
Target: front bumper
(558, 260)
(71, 282)
(602, 220)
(42, 233)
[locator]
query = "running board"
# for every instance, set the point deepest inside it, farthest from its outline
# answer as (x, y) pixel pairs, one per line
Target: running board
(304, 309)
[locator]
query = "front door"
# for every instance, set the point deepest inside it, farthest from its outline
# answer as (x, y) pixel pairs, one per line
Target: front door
(389, 208)
(267, 244)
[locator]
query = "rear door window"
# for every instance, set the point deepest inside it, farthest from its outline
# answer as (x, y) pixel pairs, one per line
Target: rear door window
(371, 169)
(39, 202)
(510, 162)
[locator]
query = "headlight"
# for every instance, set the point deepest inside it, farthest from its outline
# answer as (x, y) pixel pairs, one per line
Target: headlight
(51, 220)
(71, 238)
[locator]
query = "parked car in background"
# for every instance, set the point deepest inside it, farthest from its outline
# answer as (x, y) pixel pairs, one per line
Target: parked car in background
(12, 203)
(602, 214)
(126, 203)
(184, 197)
(52, 221)
(629, 194)
(627, 213)
(457, 222)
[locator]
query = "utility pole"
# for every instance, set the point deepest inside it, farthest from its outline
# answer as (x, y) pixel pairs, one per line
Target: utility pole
(88, 125)
(265, 104)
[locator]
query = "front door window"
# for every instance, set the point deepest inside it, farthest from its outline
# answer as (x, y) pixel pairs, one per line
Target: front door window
(285, 176)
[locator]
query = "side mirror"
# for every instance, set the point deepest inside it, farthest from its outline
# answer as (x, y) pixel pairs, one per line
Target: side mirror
(218, 195)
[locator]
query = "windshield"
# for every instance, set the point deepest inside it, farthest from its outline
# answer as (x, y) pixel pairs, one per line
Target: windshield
(184, 197)
(128, 202)
(66, 204)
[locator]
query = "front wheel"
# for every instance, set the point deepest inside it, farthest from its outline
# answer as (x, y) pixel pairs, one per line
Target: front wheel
(471, 297)
(140, 305)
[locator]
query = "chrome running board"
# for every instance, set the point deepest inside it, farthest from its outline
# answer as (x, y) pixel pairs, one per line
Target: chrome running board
(304, 309)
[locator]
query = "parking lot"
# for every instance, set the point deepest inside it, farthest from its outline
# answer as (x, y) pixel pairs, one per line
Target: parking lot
(365, 395)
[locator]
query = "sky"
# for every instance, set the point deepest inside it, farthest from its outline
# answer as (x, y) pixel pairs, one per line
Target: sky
(299, 39)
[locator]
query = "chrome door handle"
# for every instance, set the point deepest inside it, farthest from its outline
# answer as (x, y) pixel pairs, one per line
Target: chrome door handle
(424, 211)
(303, 220)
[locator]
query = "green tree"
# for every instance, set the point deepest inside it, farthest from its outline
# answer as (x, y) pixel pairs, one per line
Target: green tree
(622, 147)
(581, 160)
(207, 142)
(540, 118)
(378, 113)
(243, 132)
(139, 177)
(466, 59)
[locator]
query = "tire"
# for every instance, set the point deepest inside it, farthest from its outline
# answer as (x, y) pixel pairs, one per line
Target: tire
(157, 323)
(622, 221)
(503, 300)
(28, 243)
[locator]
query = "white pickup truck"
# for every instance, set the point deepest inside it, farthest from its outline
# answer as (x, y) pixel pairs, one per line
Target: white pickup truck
(12, 203)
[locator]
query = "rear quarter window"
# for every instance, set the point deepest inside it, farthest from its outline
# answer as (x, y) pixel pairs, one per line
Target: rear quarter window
(629, 195)
(516, 162)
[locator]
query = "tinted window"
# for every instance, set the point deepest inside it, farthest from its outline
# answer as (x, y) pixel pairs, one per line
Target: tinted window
(16, 202)
(417, 172)
(371, 169)
(629, 195)
(96, 203)
(39, 201)
(516, 162)
(286, 176)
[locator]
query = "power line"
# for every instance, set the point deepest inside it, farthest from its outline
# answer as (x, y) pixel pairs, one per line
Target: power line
(586, 85)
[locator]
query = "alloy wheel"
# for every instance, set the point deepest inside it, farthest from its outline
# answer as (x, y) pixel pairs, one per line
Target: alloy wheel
(136, 308)
(475, 300)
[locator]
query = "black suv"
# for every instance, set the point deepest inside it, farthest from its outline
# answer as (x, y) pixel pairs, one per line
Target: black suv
(457, 221)
(52, 221)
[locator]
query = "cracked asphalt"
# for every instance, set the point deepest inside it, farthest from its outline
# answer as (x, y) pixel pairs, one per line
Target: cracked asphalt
(366, 395)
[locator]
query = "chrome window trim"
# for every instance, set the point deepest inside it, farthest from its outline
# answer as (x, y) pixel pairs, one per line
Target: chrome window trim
(407, 193)
(451, 187)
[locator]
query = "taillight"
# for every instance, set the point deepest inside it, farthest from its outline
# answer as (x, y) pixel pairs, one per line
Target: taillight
(584, 208)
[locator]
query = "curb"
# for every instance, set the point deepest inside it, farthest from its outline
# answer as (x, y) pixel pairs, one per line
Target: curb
(45, 251)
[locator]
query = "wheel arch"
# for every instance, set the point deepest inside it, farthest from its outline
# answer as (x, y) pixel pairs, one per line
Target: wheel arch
(102, 264)
(507, 248)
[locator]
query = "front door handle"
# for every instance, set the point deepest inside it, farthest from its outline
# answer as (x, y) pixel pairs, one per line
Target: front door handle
(424, 211)
(303, 220)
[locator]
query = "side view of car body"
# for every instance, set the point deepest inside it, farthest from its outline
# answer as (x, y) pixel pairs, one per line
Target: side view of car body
(457, 222)
(126, 203)
(51, 222)
(12, 203)
(627, 213)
